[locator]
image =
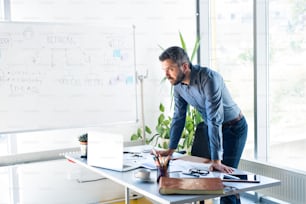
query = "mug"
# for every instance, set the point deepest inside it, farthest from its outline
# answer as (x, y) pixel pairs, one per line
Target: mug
(143, 174)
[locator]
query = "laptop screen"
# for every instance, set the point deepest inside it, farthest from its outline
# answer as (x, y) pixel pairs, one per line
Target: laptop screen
(105, 150)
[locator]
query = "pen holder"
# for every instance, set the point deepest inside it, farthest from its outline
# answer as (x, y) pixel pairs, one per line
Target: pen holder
(162, 164)
(162, 171)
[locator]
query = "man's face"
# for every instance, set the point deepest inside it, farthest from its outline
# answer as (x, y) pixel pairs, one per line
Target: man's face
(173, 72)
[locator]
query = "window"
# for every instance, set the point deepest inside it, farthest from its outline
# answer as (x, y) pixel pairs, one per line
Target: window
(287, 86)
(232, 55)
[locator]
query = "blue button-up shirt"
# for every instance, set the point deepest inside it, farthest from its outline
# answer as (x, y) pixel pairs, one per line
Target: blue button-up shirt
(208, 94)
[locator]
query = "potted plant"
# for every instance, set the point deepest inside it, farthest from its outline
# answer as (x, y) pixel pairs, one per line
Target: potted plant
(161, 137)
(83, 144)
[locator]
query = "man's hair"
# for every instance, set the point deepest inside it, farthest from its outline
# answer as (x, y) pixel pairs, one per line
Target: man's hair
(176, 54)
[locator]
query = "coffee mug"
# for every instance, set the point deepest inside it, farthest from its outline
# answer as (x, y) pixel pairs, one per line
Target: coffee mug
(143, 174)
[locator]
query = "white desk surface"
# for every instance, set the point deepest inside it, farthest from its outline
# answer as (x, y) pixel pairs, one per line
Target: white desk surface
(150, 189)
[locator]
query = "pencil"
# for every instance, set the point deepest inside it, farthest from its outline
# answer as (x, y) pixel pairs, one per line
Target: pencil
(154, 152)
(157, 162)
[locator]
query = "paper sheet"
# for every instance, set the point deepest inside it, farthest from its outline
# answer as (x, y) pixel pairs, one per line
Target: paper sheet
(178, 167)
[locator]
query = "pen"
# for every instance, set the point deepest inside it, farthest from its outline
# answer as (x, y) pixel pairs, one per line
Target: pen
(157, 162)
(128, 152)
(154, 152)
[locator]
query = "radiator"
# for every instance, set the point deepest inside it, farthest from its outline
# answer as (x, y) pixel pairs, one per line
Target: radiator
(293, 183)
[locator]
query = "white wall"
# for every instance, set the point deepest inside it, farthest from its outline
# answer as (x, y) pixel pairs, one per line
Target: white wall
(157, 23)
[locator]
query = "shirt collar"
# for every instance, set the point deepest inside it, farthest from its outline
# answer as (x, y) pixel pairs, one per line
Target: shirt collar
(193, 73)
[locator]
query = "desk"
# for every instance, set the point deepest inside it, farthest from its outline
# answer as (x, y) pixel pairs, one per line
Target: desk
(150, 190)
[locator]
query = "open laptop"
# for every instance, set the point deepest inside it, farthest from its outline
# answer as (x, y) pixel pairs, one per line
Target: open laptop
(106, 150)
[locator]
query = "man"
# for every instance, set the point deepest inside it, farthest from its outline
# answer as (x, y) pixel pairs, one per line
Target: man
(204, 89)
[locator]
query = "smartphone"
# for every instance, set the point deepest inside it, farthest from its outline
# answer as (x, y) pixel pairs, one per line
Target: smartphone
(248, 178)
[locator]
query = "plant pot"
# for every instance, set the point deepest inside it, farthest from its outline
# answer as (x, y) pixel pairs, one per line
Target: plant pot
(83, 147)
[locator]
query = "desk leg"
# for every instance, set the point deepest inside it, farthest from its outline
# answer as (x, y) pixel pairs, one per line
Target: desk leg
(127, 195)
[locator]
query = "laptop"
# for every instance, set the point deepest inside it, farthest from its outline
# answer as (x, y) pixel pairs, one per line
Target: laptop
(106, 150)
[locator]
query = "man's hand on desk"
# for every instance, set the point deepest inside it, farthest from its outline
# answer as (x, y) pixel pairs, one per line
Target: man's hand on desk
(165, 152)
(217, 165)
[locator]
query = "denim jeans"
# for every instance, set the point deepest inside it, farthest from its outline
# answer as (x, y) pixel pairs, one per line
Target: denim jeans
(234, 138)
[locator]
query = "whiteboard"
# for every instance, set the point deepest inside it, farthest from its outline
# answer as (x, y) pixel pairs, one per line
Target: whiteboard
(65, 75)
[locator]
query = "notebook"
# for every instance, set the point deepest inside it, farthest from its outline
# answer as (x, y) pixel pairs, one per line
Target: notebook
(106, 150)
(191, 186)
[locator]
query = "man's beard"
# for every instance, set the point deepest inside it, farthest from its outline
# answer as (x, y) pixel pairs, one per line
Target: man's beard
(178, 79)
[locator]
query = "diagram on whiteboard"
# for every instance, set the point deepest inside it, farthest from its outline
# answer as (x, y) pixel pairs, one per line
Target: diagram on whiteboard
(51, 74)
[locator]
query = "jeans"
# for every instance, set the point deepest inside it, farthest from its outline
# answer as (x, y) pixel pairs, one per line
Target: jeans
(234, 138)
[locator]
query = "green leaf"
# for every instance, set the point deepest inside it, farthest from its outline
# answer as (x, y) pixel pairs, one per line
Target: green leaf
(189, 126)
(134, 137)
(164, 134)
(182, 41)
(195, 48)
(161, 47)
(139, 132)
(148, 130)
(161, 118)
(161, 108)
(165, 145)
(163, 79)
(167, 122)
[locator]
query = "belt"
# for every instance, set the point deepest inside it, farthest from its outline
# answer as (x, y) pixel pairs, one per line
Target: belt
(234, 121)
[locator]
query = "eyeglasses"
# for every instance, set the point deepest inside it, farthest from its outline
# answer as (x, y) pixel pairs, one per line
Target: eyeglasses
(196, 172)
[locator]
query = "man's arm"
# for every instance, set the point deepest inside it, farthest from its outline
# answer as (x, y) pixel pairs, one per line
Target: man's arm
(178, 120)
(215, 115)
